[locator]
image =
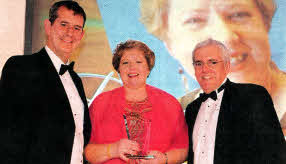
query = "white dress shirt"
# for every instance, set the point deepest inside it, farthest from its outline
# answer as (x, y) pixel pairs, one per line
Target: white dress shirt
(204, 133)
(76, 106)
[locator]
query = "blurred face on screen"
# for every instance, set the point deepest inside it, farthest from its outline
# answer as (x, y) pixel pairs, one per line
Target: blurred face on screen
(236, 23)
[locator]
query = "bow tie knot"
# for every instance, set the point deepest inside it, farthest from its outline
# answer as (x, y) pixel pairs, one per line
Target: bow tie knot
(211, 95)
(65, 68)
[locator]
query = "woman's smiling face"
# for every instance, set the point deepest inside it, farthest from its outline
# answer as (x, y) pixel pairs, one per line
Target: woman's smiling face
(133, 68)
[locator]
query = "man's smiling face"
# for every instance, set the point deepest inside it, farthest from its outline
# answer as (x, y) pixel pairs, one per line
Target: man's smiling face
(65, 34)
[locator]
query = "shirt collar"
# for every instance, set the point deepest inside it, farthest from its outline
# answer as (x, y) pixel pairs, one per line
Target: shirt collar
(57, 62)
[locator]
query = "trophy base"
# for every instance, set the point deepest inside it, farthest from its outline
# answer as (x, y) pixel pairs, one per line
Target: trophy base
(140, 156)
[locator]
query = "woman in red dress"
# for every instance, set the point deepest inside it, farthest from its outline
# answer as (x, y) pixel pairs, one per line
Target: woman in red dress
(136, 119)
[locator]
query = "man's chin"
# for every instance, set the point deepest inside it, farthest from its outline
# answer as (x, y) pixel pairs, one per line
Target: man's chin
(208, 87)
(67, 51)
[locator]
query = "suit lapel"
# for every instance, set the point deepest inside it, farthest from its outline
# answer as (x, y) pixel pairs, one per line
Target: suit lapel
(79, 86)
(57, 94)
(191, 115)
(53, 81)
(55, 84)
(194, 111)
(58, 105)
(223, 126)
(87, 124)
(223, 130)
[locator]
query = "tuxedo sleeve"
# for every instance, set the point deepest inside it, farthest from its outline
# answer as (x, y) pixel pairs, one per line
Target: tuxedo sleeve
(270, 142)
(16, 127)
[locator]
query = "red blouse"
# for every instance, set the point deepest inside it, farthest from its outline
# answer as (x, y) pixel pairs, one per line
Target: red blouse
(168, 129)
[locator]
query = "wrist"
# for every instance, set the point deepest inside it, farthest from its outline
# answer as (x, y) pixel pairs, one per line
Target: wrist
(115, 149)
(111, 150)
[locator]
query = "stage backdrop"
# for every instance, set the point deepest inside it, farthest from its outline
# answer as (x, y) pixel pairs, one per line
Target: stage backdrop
(258, 52)
(172, 28)
(12, 29)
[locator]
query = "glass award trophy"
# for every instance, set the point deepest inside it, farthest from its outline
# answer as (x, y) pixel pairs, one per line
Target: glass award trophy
(138, 129)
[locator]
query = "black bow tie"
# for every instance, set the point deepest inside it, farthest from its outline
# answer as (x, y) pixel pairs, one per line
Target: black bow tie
(65, 68)
(212, 95)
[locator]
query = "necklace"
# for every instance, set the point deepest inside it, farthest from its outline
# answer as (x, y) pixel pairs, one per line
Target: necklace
(139, 126)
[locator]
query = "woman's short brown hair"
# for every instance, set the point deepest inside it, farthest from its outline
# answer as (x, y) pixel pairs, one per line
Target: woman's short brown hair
(132, 44)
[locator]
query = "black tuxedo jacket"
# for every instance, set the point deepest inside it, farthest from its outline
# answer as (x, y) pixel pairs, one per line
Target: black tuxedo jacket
(248, 130)
(37, 121)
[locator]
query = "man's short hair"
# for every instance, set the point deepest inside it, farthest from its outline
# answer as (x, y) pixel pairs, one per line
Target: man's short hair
(154, 15)
(208, 42)
(70, 5)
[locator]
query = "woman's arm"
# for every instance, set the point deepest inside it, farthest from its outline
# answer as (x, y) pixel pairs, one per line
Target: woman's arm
(98, 153)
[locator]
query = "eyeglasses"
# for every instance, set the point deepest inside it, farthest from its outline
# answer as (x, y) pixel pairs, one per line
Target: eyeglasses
(210, 64)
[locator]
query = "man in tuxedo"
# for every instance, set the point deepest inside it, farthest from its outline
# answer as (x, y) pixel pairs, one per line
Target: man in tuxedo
(44, 110)
(230, 122)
